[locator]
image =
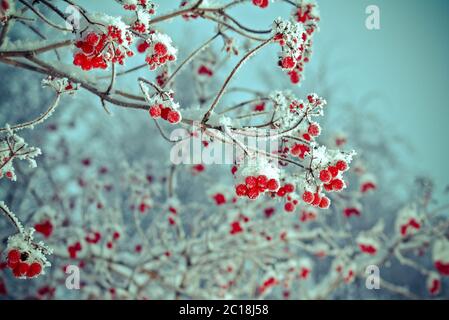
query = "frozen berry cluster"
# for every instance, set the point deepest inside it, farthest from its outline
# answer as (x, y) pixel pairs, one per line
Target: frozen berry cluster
(134, 5)
(97, 49)
(290, 36)
(167, 112)
(255, 186)
(158, 49)
(23, 265)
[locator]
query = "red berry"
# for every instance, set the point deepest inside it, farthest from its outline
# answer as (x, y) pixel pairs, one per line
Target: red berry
(22, 268)
(160, 49)
(241, 190)
(253, 193)
(165, 112)
(288, 63)
(316, 200)
(272, 185)
(289, 207)
(325, 176)
(262, 180)
(281, 192)
(307, 196)
(337, 184)
(289, 188)
(92, 38)
(34, 270)
(155, 112)
(314, 130)
(116, 235)
(333, 170)
(13, 256)
(173, 117)
(341, 165)
(324, 203)
(327, 186)
(142, 47)
(251, 181)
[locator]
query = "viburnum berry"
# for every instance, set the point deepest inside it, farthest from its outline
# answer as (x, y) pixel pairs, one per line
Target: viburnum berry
(155, 112)
(337, 184)
(142, 47)
(13, 257)
(261, 3)
(262, 180)
(45, 227)
(341, 165)
(160, 49)
(289, 207)
(289, 188)
(272, 185)
(308, 197)
(316, 200)
(333, 170)
(97, 49)
(251, 181)
(324, 202)
(288, 63)
(174, 117)
(34, 270)
(325, 176)
(241, 190)
(253, 193)
(314, 130)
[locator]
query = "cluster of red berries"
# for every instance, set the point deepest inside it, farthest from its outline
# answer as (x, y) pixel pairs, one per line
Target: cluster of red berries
(316, 199)
(411, 224)
(351, 211)
(158, 56)
(299, 150)
(205, 71)
(367, 186)
(256, 185)
(261, 3)
(235, 227)
(20, 266)
(434, 286)
(139, 27)
(93, 237)
(45, 228)
(304, 14)
(219, 199)
(162, 77)
(367, 248)
(115, 237)
(442, 267)
(329, 176)
(97, 49)
(8, 174)
(188, 15)
(143, 4)
(167, 113)
(74, 249)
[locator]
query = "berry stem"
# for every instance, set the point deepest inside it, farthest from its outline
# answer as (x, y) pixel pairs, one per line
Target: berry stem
(228, 79)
